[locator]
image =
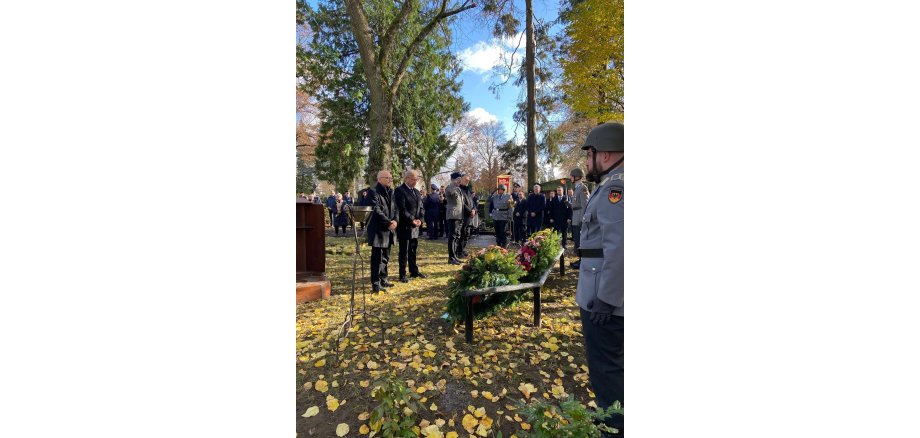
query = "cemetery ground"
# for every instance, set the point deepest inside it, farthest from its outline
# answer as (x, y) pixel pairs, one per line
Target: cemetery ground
(463, 389)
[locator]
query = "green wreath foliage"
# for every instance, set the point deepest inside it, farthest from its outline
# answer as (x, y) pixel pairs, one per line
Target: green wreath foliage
(489, 267)
(539, 253)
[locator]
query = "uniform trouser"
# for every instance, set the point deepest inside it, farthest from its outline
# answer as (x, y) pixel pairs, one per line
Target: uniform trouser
(500, 238)
(453, 238)
(576, 236)
(604, 348)
(408, 249)
(379, 259)
(433, 228)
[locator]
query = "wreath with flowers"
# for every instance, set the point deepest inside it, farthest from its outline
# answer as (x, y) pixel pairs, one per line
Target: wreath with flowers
(496, 266)
(489, 267)
(539, 252)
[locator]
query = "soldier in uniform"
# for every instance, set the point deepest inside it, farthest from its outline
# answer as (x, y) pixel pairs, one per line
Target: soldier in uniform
(579, 201)
(600, 279)
(501, 213)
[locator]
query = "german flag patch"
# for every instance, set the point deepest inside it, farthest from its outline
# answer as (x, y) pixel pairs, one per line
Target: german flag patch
(615, 196)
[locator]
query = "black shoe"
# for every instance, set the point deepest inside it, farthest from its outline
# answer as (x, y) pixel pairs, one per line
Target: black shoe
(379, 289)
(575, 265)
(464, 254)
(386, 284)
(403, 279)
(454, 262)
(418, 275)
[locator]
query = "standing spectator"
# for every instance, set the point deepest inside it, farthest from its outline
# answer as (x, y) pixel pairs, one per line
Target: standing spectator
(442, 216)
(347, 198)
(411, 212)
(380, 230)
(547, 217)
(341, 216)
(454, 211)
(366, 198)
(500, 203)
(302, 195)
(432, 212)
(520, 220)
(561, 215)
(470, 219)
(318, 199)
(536, 202)
(330, 205)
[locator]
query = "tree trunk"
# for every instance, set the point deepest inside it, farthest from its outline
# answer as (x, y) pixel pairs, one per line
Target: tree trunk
(531, 101)
(381, 124)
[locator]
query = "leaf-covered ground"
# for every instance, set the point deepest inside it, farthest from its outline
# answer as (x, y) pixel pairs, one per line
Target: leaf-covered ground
(469, 390)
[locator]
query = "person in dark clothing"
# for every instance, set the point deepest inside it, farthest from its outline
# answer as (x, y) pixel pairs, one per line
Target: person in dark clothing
(381, 230)
(442, 217)
(346, 198)
(432, 206)
(411, 212)
(470, 220)
(330, 205)
(366, 198)
(520, 220)
(547, 216)
(560, 214)
(536, 203)
(341, 215)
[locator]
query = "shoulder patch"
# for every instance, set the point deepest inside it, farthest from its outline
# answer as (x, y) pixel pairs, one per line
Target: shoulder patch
(615, 196)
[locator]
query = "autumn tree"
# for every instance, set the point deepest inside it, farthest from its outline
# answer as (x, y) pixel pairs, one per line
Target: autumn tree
(388, 37)
(591, 56)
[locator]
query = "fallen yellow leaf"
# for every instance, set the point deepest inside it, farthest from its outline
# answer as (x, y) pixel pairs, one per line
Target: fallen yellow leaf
(311, 411)
(341, 429)
(320, 363)
(321, 386)
(469, 423)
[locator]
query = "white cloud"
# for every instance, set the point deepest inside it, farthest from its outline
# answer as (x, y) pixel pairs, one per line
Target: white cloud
(481, 115)
(484, 55)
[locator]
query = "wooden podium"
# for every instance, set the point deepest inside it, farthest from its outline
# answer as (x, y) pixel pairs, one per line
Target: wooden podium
(311, 252)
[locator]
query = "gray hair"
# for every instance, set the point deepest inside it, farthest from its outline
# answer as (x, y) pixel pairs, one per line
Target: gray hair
(411, 172)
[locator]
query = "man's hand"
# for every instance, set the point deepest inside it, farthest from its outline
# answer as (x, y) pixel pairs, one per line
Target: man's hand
(533, 215)
(568, 221)
(551, 221)
(601, 312)
(417, 222)
(392, 225)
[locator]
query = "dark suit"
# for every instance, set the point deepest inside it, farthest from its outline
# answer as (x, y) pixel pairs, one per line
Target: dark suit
(432, 214)
(379, 236)
(520, 220)
(467, 220)
(409, 208)
(560, 212)
(535, 204)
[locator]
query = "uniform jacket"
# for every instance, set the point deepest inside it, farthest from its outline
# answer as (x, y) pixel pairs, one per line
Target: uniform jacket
(579, 201)
(432, 205)
(602, 228)
(455, 201)
(501, 208)
(409, 208)
(378, 233)
(536, 203)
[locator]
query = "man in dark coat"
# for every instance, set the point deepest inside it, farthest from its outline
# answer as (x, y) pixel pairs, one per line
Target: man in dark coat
(520, 220)
(470, 220)
(330, 205)
(432, 205)
(560, 215)
(366, 198)
(536, 202)
(411, 212)
(381, 230)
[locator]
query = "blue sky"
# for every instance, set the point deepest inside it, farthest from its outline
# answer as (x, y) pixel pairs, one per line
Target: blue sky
(474, 45)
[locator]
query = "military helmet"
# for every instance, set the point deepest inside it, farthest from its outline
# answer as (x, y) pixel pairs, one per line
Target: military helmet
(605, 138)
(577, 173)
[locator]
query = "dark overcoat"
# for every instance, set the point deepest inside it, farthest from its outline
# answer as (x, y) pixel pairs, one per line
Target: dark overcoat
(378, 233)
(409, 208)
